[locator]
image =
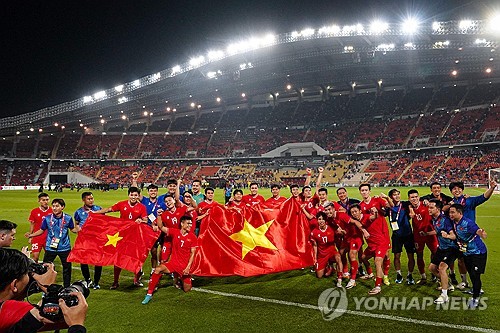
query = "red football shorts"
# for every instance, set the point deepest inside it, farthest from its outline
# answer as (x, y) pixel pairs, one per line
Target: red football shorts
(421, 241)
(173, 267)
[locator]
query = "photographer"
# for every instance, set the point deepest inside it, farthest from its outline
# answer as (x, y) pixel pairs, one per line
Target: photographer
(21, 316)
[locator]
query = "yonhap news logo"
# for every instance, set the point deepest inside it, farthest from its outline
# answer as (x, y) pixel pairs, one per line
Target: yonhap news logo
(332, 303)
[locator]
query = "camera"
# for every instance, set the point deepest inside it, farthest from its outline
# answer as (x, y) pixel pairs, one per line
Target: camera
(36, 268)
(50, 302)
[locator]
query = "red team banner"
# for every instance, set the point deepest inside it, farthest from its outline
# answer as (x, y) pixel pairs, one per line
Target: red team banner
(247, 242)
(253, 241)
(106, 240)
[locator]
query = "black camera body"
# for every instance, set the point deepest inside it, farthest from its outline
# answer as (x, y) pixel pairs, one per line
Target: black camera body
(36, 268)
(50, 302)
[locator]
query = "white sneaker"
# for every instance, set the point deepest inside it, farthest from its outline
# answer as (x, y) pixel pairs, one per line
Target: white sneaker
(339, 283)
(473, 303)
(367, 277)
(350, 284)
(462, 285)
(441, 299)
(450, 287)
(375, 291)
(346, 275)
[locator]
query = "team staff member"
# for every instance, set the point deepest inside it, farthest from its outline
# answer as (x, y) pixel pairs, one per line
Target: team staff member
(81, 216)
(131, 210)
(402, 235)
(466, 233)
(184, 245)
(35, 219)
(58, 243)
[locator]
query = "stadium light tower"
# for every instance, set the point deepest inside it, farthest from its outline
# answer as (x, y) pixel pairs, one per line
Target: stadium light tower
(494, 23)
(410, 26)
(378, 27)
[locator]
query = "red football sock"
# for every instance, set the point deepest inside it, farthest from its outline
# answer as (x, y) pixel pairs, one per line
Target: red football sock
(116, 273)
(153, 282)
(369, 270)
(345, 268)
(387, 265)
(378, 281)
(354, 269)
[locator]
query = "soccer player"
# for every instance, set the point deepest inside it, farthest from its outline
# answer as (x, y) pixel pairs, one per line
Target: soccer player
(7, 233)
(295, 191)
(81, 215)
(184, 245)
(170, 218)
(58, 243)
(131, 210)
(153, 207)
(254, 198)
(378, 242)
(331, 219)
(196, 188)
(473, 248)
(276, 199)
(236, 201)
(189, 201)
(447, 250)
(402, 235)
(204, 208)
(35, 219)
(323, 242)
(422, 224)
(353, 241)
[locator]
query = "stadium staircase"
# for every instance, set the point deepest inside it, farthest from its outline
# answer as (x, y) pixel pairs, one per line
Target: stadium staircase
(98, 174)
(53, 155)
(35, 150)
(438, 167)
(118, 147)
(407, 169)
(159, 175)
(445, 129)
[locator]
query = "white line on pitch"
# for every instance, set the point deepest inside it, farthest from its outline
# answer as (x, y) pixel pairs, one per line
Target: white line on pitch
(356, 313)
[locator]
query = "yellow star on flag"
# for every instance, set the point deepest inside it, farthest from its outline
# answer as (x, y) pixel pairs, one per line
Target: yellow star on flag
(112, 240)
(250, 237)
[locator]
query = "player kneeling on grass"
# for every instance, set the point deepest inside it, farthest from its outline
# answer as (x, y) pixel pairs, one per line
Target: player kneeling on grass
(184, 244)
(325, 253)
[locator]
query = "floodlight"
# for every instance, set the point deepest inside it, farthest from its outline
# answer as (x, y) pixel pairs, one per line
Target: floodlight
(103, 121)
(87, 99)
(193, 104)
(136, 83)
(119, 88)
(215, 55)
(488, 70)
(295, 34)
(211, 75)
(378, 27)
(410, 26)
(176, 69)
(243, 95)
(197, 61)
(494, 23)
(436, 26)
(56, 124)
(454, 72)
(307, 32)
(218, 99)
(465, 24)
(156, 76)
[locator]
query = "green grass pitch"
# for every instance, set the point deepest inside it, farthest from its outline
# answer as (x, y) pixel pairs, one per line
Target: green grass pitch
(198, 311)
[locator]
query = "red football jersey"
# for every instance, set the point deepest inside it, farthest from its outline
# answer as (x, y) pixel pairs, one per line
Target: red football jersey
(378, 230)
(181, 246)
(351, 229)
(128, 212)
(378, 203)
(234, 204)
(273, 202)
(204, 206)
(37, 215)
(172, 218)
(325, 241)
(422, 221)
(253, 200)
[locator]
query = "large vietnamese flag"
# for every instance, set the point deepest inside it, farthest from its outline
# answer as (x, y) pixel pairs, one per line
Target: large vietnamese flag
(106, 240)
(253, 241)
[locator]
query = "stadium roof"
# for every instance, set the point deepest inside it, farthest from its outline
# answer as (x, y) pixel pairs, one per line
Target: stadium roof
(329, 59)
